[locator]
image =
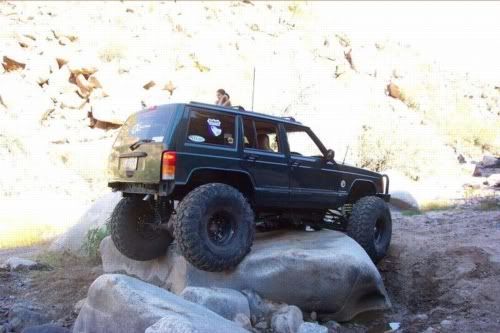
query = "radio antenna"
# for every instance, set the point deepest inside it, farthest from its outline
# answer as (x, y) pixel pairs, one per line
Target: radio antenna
(347, 149)
(253, 87)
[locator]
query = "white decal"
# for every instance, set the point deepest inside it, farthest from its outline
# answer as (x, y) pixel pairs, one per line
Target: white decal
(343, 183)
(216, 131)
(196, 138)
(213, 122)
(157, 138)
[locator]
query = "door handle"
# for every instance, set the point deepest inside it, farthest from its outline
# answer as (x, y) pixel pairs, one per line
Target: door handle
(294, 164)
(251, 158)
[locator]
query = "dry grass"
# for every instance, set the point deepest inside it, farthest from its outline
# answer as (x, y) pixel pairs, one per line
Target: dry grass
(20, 235)
(440, 204)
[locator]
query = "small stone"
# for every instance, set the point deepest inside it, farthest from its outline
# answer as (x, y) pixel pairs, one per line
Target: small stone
(287, 319)
(262, 325)
(312, 328)
(149, 85)
(447, 324)
(421, 316)
(243, 320)
(394, 90)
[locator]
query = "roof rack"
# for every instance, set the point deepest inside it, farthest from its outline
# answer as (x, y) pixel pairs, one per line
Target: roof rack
(235, 107)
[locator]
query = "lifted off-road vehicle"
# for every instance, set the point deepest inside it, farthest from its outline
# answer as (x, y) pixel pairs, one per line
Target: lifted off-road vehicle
(209, 176)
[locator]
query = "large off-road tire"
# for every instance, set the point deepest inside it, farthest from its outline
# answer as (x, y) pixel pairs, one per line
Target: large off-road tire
(214, 227)
(370, 224)
(132, 231)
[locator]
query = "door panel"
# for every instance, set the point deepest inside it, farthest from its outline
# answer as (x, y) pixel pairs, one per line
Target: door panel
(313, 180)
(266, 162)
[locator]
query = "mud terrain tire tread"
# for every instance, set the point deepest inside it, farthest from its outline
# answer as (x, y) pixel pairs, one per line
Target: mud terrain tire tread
(190, 226)
(361, 226)
(126, 237)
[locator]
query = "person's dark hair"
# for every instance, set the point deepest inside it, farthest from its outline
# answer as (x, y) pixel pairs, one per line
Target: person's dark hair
(223, 92)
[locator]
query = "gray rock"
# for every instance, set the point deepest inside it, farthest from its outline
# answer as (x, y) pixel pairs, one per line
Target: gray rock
(325, 271)
(287, 320)
(19, 264)
(260, 309)
(490, 161)
(23, 315)
(47, 328)
(333, 326)
(96, 216)
(494, 180)
(118, 303)
(225, 302)
(78, 306)
(243, 321)
(312, 328)
(172, 323)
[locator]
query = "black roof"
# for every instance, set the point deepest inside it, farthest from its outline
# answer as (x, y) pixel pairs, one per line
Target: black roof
(242, 111)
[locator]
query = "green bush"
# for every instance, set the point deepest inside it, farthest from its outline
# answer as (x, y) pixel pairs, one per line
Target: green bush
(93, 240)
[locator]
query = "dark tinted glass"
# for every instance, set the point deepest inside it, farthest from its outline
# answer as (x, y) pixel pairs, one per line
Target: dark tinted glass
(211, 128)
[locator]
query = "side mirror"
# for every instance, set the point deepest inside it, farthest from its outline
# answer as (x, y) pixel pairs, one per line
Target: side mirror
(330, 155)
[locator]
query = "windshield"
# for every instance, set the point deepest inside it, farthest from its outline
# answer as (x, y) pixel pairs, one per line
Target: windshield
(152, 124)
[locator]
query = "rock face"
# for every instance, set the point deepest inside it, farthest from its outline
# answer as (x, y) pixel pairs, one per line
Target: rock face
(96, 216)
(118, 303)
(226, 302)
(325, 271)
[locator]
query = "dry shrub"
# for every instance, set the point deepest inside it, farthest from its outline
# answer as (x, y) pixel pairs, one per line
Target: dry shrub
(392, 143)
(456, 117)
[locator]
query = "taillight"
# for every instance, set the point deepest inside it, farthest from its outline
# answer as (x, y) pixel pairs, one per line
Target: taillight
(168, 161)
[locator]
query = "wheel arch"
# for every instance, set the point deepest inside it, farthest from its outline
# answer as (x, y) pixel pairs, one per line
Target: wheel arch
(361, 188)
(238, 179)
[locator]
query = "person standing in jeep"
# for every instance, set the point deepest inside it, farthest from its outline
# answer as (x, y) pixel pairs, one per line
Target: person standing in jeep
(207, 175)
(222, 98)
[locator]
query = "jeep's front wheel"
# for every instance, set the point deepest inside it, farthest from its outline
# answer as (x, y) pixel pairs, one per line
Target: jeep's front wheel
(214, 227)
(370, 225)
(134, 230)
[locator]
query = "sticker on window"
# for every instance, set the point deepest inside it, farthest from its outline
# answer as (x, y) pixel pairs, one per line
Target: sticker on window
(157, 138)
(196, 138)
(214, 125)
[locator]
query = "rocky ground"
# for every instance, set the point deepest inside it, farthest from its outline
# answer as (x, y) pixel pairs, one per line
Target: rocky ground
(442, 275)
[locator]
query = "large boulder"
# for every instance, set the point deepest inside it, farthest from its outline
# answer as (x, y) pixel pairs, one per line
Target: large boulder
(118, 303)
(96, 216)
(325, 271)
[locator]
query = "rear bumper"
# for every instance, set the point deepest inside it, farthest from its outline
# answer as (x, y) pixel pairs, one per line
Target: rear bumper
(163, 188)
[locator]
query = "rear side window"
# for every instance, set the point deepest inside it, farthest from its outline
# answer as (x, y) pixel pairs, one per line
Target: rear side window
(147, 125)
(211, 128)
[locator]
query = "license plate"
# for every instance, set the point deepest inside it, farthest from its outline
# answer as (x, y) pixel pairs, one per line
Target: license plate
(130, 163)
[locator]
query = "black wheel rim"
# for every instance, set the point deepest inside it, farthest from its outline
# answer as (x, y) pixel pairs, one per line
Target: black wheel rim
(220, 228)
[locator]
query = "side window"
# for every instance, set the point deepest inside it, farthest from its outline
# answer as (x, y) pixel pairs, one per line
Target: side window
(211, 128)
(267, 136)
(248, 133)
(300, 143)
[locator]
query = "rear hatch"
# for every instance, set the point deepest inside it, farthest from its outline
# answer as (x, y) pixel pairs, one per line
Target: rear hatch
(137, 152)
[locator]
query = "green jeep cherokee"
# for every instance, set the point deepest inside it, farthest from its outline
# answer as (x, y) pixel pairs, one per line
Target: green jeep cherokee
(209, 176)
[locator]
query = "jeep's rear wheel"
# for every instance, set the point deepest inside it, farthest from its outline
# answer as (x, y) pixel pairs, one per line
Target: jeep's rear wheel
(370, 225)
(135, 232)
(214, 227)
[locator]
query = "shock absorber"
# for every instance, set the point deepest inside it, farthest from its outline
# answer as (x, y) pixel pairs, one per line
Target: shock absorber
(347, 210)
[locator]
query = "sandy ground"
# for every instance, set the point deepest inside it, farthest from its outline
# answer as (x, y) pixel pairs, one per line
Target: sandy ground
(442, 274)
